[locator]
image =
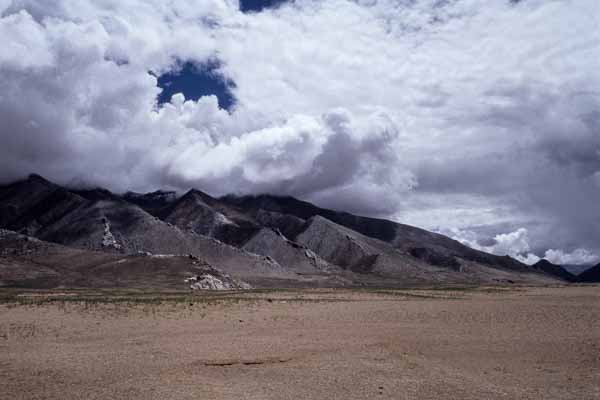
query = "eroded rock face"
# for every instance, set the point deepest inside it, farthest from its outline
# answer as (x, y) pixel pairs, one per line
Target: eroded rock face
(211, 282)
(108, 239)
(211, 278)
(335, 244)
(291, 255)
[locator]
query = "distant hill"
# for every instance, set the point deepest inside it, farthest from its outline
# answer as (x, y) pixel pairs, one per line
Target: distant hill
(576, 269)
(590, 275)
(555, 270)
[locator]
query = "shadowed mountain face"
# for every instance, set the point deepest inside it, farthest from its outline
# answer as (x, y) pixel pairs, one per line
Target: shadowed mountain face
(265, 240)
(199, 213)
(35, 204)
(590, 275)
(556, 270)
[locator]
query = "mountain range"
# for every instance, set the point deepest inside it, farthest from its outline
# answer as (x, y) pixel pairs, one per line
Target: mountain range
(54, 236)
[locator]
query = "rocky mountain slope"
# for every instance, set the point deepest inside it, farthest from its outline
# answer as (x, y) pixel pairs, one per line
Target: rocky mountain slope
(32, 263)
(100, 221)
(264, 240)
(431, 247)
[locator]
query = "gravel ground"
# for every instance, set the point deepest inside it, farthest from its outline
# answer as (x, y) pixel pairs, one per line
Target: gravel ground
(520, 343)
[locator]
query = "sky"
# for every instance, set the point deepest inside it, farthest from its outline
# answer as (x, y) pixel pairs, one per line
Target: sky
(479, 119)
(194, 81)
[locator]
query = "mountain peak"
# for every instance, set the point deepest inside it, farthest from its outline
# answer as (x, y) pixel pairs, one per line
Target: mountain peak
(198, 195)
(543, 262)
(38, 179)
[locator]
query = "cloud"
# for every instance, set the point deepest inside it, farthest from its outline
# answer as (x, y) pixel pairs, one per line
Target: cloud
(325, 156)
(516, 244)
(468, 114)
(576, 257)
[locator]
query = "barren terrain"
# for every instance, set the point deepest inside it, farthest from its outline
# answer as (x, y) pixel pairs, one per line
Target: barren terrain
(461, 343)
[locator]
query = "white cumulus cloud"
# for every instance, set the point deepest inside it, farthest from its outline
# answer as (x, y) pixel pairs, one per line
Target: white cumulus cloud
(464, 114)
(516, 244)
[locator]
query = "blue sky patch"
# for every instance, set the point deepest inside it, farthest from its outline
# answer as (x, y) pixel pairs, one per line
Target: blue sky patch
(258, 5)
(197, 80)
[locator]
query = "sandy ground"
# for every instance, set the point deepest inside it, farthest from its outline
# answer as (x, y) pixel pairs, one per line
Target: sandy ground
(528, 343)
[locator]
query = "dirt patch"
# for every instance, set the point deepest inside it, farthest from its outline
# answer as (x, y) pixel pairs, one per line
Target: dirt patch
(456, 343)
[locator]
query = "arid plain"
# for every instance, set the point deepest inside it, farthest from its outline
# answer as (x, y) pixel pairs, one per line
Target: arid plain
(460, 343)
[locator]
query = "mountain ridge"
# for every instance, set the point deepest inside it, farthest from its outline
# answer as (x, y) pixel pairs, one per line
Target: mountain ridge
(255, 238)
